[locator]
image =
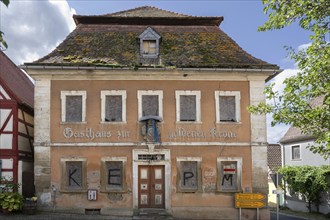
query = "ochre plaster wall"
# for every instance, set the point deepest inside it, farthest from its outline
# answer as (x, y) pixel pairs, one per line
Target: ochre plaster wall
(206, 197)
(169, 124)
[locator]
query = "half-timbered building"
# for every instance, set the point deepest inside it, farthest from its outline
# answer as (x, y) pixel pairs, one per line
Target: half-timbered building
(16, 126)
(146, 108)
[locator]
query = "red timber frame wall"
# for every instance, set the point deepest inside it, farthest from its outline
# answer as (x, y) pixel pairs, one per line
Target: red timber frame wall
(10, 119)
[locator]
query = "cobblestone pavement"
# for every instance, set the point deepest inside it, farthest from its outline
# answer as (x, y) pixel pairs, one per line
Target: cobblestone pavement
(58, 216)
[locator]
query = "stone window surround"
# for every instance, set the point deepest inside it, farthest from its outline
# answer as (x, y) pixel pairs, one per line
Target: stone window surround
(141, 93)
(237, 95)
(239, 172)
(123, 189)
(197, 94)
(292, 155)
(199, 174)
(64, 179)
(105, 93)
(64, 94)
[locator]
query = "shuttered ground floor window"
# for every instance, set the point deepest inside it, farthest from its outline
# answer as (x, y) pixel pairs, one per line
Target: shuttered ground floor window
(73, 175)
(113, 174)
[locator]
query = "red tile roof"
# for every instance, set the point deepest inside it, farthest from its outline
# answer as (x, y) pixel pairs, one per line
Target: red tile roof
(14, 79)
(274, 157)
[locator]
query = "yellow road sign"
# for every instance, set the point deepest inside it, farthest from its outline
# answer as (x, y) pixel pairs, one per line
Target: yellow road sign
(249, 196)
(249, 204)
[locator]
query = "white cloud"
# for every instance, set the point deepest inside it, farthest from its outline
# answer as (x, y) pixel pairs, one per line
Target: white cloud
(34, 28)
(274, 134)
(304, 46)
(278, 80)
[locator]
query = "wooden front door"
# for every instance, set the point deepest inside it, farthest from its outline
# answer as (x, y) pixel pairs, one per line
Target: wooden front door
(151, 186)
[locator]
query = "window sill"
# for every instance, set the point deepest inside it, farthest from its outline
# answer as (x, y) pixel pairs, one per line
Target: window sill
(113, 122)
(152, 56)
(74, 191)
(121, 191)
(73, 123)
(187, 191)
(229, 122)
(228, 191)
(296, 159)
(189, 122)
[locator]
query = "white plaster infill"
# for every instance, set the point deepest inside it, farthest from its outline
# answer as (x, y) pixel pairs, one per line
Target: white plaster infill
(166, 162)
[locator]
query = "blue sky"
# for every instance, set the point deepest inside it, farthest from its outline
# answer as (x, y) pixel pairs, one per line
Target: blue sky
(33, 28)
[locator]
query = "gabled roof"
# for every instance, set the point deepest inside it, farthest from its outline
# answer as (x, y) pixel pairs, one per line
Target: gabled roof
(295, 135)
(147, 16)
(146, 11)
(274, 157)
(186, 42)
(14, 80)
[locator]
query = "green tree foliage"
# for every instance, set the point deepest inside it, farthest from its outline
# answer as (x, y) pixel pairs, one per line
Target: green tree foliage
(307, 181)
(294, 106)
(2, 41)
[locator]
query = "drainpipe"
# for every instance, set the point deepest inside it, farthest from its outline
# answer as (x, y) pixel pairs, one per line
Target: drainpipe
(54, 197)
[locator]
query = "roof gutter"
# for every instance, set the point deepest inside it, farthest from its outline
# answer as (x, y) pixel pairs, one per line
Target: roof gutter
(26, 67)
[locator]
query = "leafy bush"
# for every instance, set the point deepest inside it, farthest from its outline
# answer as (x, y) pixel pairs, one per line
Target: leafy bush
(11, 201)
(307, 181)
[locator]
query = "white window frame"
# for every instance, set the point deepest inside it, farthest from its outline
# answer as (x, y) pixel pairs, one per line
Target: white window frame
(64, 94)
(238, 160)
(141, 93)
(291, 148)
(123, 95)
(197, 94)
(199, 173)
(237, 95)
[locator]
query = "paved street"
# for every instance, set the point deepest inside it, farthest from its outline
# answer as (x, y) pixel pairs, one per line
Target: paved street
(285, 217)
(62, 216)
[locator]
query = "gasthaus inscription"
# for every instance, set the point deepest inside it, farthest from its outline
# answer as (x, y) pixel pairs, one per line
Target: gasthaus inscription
(200, 134)
(94, 134)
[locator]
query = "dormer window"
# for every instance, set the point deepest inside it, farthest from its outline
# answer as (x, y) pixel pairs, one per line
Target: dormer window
(149, 43)
(149, 47)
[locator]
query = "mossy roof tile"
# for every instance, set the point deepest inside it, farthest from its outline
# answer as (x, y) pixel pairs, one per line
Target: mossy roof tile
(181, 45)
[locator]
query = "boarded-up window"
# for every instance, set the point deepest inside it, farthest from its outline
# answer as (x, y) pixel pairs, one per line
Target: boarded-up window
(187, 108)
(74, 175)
(113, 108)
(296, 152)
(73, 108)
(149, 47)
(150, 105)
(227, 108)
(188, 175)
(114, 175)
(228, 176)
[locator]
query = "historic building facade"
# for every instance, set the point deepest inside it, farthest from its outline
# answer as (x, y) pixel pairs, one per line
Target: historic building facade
(146, 108)
(16, 126)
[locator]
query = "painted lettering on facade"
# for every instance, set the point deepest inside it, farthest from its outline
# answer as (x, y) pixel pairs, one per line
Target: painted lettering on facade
(200, 134)
(74, 174)
(92, 134)
(229, 175)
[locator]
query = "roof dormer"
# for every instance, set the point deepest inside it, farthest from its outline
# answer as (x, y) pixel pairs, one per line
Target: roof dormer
(149, 43)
